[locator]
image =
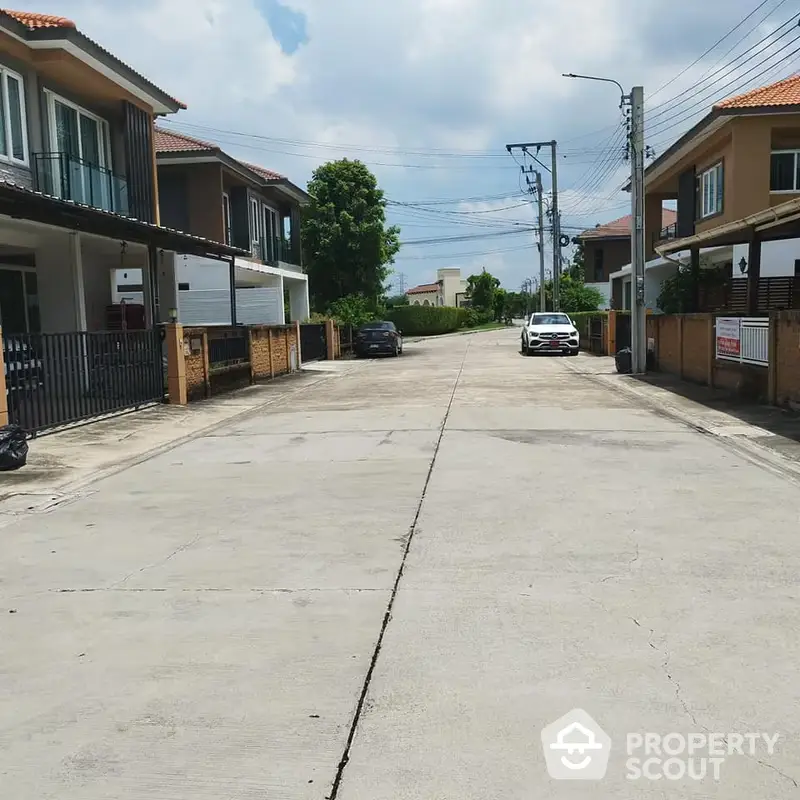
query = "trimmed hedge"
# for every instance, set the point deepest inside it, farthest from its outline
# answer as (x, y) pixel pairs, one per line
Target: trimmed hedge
(425, 320)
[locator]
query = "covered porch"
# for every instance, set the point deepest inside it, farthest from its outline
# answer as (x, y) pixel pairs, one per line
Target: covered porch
(71, 352)
(759, 294)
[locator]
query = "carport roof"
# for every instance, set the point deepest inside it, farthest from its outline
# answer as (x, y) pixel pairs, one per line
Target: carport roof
(771, 224)
(19, 202)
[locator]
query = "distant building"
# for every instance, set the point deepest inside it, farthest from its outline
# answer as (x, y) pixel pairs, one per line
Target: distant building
(450, 289)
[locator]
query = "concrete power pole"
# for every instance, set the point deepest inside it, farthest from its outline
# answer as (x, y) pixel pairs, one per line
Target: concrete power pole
(556, 232)
(540, 199)
(638, 308)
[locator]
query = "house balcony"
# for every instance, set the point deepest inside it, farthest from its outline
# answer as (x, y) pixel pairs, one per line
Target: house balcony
(272, 250)
(71, 178)
(665, 234)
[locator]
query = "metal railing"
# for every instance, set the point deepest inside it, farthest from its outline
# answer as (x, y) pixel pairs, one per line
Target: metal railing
(55, 379)
(670, 232)
(71, 178)
(744, 340)
(275, 249)
(228, 349)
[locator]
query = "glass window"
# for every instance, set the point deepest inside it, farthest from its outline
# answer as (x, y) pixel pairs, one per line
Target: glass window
(226, 218)
(782, 172)
(15, 119)
(13, 136)
(711, 191)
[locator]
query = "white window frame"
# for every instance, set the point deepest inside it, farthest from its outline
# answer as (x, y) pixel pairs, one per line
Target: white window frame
(226, 218)
(709, 179)
(25, 160)
(267, 210)
(796, 154)
(105, 150)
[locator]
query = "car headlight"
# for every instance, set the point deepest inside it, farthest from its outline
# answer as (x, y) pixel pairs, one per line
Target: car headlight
(533, 334)
(573, 333)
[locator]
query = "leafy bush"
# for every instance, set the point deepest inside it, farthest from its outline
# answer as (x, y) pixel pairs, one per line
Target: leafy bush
(425, 320)
(353, 310)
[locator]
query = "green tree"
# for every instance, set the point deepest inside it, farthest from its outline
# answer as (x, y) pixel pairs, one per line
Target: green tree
(577, 296)
(577, 265)
(396, 300)
(347, 243)
(499, 304)
(355, 309)
(682, 292)
(481, 291)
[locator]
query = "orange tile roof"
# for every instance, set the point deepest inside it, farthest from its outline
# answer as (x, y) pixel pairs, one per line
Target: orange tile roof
(33, 20)
(782, 93)
(423, 288)
(169, 142)
(263, 171)
(622, 226)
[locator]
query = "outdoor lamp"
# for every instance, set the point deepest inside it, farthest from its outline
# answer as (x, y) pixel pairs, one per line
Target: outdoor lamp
(173, 315)
(743, 265)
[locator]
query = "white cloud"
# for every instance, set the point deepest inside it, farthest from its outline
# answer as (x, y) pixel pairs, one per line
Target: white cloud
(451, 74)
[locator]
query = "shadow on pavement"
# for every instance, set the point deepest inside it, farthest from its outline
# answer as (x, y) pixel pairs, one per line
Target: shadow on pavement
(781, 422)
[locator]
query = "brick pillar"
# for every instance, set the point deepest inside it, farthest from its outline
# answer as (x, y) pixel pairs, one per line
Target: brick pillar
(712, 350)
(612, 332)
(3, 395)
(329, 339)
(772, 368)
(176, 364)
(680, 346)
(297, 339)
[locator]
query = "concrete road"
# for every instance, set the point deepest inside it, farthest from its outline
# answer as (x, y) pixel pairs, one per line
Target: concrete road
(385, 588)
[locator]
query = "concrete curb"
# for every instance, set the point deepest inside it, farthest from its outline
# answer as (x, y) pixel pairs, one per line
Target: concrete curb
(753, 451)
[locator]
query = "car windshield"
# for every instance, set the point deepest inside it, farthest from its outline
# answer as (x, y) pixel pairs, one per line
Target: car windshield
(550, 319)
(378, 326)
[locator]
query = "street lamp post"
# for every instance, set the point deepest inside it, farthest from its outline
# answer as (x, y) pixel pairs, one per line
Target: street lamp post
(636, 139)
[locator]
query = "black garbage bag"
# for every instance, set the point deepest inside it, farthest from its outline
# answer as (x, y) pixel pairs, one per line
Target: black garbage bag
(624, 361)
(13, 448)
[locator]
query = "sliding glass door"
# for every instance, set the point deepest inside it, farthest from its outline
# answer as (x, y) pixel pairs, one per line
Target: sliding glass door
(80, 141)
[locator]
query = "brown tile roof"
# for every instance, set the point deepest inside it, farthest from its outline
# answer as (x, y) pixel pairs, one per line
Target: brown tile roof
(782, 93)
(622, 226)
(33, 20)
(423, 288)
(263, 172)
(169, 142)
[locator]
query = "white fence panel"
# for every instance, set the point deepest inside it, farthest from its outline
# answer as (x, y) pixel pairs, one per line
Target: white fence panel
(755, 341)
(213, 307)
(744, 340)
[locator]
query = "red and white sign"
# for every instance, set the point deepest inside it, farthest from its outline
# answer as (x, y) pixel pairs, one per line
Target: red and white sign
(729, 337)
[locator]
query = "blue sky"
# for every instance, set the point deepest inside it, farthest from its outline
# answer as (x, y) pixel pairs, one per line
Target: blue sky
(427, 92)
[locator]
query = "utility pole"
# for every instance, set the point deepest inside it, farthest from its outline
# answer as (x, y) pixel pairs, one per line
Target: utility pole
(638, 308)
(540, 199)
(556, 232)
(526, 148)
(637, 150)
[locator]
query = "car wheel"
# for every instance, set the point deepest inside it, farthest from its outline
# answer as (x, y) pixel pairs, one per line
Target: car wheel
(574, 352)
(396, 350)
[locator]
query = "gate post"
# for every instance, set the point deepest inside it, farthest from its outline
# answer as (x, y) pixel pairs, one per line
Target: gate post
(612, 332)
(297, 339)
(329, 343)
(176, 364)
(3, 395)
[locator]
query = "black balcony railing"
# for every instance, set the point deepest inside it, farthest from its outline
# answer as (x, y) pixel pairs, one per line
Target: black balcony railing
(670, 232)
(274, 249)
(72, 178)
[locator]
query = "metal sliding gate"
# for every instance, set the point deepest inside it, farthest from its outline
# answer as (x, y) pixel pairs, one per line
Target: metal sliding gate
(54, 379)
(313, 342)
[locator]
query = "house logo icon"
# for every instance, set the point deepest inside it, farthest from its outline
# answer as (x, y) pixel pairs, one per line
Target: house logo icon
(576, 748)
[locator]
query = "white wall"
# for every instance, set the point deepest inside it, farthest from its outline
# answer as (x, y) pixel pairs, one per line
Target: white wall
(605, 289)
(777, 258)
(54, 272)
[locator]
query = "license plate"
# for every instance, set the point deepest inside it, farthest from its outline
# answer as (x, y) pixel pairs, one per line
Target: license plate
(555, 344)
(373, 347)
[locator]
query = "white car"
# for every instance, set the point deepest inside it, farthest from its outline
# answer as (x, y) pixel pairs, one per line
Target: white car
(550, 332)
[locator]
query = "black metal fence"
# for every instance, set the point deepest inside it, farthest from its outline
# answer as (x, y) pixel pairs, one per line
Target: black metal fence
(346, 335)
(55, 379)
(313, 342)
(228, 349)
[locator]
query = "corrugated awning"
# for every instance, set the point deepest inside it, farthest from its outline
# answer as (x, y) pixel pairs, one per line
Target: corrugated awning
(779, 222)
(19, 202)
